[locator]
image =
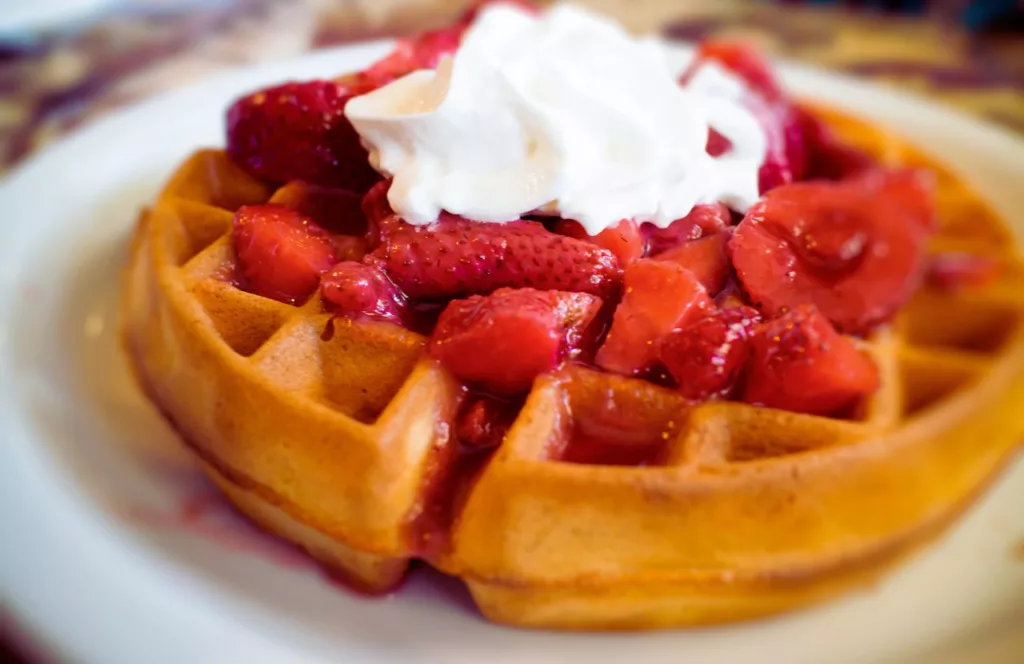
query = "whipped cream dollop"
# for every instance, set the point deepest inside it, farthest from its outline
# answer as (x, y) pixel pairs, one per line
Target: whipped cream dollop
(563, 112)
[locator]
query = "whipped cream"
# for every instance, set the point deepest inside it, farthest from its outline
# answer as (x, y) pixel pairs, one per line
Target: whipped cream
(563, 112)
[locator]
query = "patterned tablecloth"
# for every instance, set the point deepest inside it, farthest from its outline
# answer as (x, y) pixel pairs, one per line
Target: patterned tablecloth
(52, 84)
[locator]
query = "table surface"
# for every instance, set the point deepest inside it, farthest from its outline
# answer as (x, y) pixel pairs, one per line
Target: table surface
(50, 85)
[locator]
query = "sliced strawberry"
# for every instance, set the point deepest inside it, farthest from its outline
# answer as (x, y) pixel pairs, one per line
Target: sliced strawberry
(800, 363)
(706, 357)
(706, 258)
(908, 192)
(657, 298)
(704, 219)
(485, 420)
(501, 342)
(952, 271)
(421, 52)
(298, 131)
(855, 250)
(456, 256)
(281, 252)
(361, 291)
(338, 211)
(624, 239)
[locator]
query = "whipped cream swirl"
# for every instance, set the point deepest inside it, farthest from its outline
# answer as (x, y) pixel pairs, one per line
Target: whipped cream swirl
(563, 112)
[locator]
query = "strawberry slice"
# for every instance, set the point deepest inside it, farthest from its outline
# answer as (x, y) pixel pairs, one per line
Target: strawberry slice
(281, 252)
(456, 256)
(706, 258)
(829, 158)
(951, 271)
(853, 249)
(909, 191)
(706, 357)
(800, 363)
(360, 291)
(703, 220)
(502, 341)
(624, 239)
(658, 297)
(298, 131)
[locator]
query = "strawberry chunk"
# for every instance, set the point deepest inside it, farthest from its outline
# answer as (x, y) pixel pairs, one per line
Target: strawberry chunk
(829, 158)
(501, 342)
(360, 291)
(703, 220)
(706, 258)
(624, 239)
(951, 271)
(800, 363)
(337, 211)
(456, 256)
(658, 298)
(853, 249)
(706, 357)
(281, 252)
(421, 52)
(298, 131)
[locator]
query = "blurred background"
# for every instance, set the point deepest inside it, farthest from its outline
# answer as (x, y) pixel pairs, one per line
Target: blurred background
(64, 62)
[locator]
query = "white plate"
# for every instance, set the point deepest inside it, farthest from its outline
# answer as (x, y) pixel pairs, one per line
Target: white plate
(100, 559)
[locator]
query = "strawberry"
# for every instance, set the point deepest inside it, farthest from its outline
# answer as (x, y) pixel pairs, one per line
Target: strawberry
(502, 341)
(336, 210)
(800, 363)
(908, 192)
(281, 252)
(298, 131)
(704, 219)
(706, 258)
(853, 249)
(624, 239)
(421, 52)
(828, 158)
(952, 271)
(657, 298)
(706, 357)
(358, 291)
(456, 256)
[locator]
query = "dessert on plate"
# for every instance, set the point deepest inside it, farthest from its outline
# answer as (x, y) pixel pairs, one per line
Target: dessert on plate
(618, 345)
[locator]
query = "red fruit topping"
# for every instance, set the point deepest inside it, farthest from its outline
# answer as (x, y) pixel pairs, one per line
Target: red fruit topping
(502, 341)
(281, 253)
(910, 192)
(954, 271)
(701, 221)
(456, 256)
(624, 239)
(854, 249)
(485, 421)
(421, 52)
(706, 258)
(706, 357)
(336, 210)
(657, 298)
(828, 158)
(298, 131)
(800, 363)
(359, 291)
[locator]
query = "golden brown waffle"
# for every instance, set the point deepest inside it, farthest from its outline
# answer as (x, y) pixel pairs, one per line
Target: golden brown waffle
(337, 436)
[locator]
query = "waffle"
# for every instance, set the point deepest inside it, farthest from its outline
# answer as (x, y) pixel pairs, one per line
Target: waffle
(337, 435)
